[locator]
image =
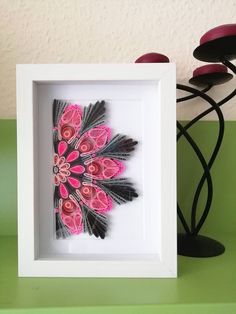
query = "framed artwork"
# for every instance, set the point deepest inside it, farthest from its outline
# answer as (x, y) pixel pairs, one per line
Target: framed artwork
(96, 170)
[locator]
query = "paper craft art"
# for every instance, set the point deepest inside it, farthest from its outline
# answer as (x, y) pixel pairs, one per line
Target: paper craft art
(87, 167)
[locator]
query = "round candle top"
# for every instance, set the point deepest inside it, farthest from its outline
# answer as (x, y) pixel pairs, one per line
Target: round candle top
(152, 57)
(210, 74)
(219, 32)
(210, 68)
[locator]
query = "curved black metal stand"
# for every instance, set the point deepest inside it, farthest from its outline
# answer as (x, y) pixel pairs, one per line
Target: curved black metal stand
(191, 243)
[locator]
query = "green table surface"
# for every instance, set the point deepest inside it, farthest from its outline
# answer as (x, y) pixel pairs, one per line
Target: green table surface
(203, 286)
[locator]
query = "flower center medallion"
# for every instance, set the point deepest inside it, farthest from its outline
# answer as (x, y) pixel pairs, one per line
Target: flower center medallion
(55, 169)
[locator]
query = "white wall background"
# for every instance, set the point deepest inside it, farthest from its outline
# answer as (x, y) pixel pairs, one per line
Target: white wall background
(107, 31)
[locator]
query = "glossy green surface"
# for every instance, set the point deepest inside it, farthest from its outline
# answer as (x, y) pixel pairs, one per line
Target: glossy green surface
(204, 285)
(7, 177)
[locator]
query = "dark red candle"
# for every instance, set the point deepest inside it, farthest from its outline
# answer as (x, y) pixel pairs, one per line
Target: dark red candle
(210, 74)
(219, 32)
(153, 57)
(210, 68)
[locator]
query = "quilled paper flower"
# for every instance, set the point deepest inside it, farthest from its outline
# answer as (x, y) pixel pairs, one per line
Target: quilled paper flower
(87, 166)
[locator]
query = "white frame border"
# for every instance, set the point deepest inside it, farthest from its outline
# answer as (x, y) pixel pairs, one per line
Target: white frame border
(28, 264)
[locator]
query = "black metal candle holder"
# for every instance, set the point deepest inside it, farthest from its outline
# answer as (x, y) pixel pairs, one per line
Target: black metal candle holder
(217, 45)
(220, 49)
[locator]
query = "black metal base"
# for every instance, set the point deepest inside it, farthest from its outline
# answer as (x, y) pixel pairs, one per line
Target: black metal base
(211, 79)
(198, 246)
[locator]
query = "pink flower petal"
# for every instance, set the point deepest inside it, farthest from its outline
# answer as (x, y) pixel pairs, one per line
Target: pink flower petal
(72, 156)
(56, 159)
(109, 162)
(96, 132)
(109, 173)
(61, 177)
(104, 168)
(75, 183)
(73, 221)
(61, 161)
(77, 169)
(101, 195)
(76, 119)
(62, 147)
(70, 122)
(69, 221)
(101, 136)
(65, 166)
(94, 139)
(56, 180)
(99, 206)
(78, 221)
(67, 116)
(97, 200)
(96, 204)
(65, 173)
(63, 191)
(101, 131)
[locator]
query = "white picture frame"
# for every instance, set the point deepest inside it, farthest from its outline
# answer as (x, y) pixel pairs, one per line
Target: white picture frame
(152, 249)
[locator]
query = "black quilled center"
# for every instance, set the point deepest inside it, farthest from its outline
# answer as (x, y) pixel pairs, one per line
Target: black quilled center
(55, 169)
